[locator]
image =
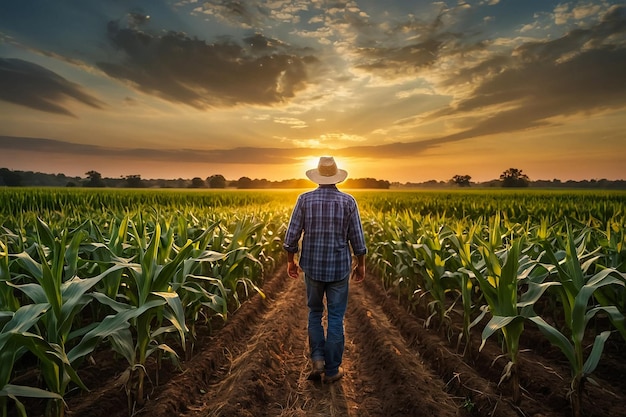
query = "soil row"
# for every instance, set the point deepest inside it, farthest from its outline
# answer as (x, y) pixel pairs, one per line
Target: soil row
(257, 365)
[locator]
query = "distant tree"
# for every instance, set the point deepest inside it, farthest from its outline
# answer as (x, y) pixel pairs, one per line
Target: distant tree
(197, 182)
(216, 181)
(514, 177)
(134, 181)
(462, 180)
(10, 178)
(365, 183)
(262, 183)
(244, 182)
(294, 183)
(94, 179)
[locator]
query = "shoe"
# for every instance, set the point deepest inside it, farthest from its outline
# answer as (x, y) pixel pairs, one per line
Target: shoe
(336, 377)
(317, 371)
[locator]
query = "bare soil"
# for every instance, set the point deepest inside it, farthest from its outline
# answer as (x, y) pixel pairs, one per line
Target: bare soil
(257, 365)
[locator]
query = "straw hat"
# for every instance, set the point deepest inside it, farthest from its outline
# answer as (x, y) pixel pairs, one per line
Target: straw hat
(326, 172)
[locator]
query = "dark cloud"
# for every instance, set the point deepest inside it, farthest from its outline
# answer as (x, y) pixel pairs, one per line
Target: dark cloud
(137, 18)
(402, 60)
(581, 72)
(246, 155)
(191, 71)
(392, 56)
(243, 155)
(31, 85)
(262, 45)
(247, 13)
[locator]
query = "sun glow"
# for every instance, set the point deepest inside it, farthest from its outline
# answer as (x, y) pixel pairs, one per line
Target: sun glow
(312, 161)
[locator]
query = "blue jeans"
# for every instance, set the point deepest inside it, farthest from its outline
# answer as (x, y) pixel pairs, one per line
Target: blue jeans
(329, 348)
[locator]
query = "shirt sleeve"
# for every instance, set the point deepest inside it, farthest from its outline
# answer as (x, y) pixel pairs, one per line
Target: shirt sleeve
(355, 233)
(294, 230)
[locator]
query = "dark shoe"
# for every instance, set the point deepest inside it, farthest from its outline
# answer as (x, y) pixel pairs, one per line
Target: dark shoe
(333, 378)
(317, 371)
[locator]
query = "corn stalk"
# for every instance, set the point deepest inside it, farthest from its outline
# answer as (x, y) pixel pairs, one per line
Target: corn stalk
(576, 289)
(433, 260)
(461, 243)
(149, 300)
(15, 340)
(56, 285)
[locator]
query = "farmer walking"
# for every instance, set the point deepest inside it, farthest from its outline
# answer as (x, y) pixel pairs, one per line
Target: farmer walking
(329, 223)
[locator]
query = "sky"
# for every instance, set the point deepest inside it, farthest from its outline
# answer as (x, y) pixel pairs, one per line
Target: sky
(399, 90)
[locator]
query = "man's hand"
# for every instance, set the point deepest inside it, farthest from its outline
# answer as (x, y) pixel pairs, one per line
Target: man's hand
(293, 270)
(358, 273)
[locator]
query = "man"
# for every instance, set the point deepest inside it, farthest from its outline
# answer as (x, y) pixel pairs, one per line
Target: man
(329, 223)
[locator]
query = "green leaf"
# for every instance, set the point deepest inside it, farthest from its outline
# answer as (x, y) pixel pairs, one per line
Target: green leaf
(572, 263)
(497, 323)
(581, 301)
(110, 325)
(596, 352)
(166, 274)
(30, 392)
(115, 305)
(178, 317)
(33, 291)
(45, 234)
(122, 343)
(25, 318)
(617, 318)
(72, 251)
(535, 291)
(30, 265)
(557, 339)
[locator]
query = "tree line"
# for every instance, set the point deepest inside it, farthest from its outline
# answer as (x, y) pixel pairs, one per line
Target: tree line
(512, 177)
(94, 179)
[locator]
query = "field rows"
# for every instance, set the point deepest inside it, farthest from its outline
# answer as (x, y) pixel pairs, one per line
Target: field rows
(148, 277)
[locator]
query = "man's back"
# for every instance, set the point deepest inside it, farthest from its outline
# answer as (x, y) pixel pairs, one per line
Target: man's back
(329, 222)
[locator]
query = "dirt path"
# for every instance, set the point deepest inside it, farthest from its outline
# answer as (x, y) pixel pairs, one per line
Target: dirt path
(267, 375)
(257, 365)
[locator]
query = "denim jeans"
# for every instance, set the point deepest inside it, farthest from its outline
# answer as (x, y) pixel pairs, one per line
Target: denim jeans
(329, 348)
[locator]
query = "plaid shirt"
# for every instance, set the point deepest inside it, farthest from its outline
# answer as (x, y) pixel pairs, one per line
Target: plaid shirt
(327, 219)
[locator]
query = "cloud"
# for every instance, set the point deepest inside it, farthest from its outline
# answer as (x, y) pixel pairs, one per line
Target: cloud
(581, 72)
(31, 85)
(179, 68)
(246, 14)
(411, 47)
(244, 155)
(241, 155)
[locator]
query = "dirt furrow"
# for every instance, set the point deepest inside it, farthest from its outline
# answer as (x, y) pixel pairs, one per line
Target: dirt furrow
(268, 377)
(391, 378)
(265, 373)
(260, 378)
(257, 365)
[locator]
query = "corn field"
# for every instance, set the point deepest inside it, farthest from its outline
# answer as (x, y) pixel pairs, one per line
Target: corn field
(522, 259)
(138, 273)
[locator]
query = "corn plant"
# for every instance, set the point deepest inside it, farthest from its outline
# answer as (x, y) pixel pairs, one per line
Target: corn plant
(577, 285)
(104, 248)
(497, 270)
(390, 251)
(613, 244)
(202, 297)
(496, 274)
(200, 293)
(15, 340)
(149, 300)
(56, 285)
(241, 249)
(433, 259)
(461, 242)
(8, 301)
